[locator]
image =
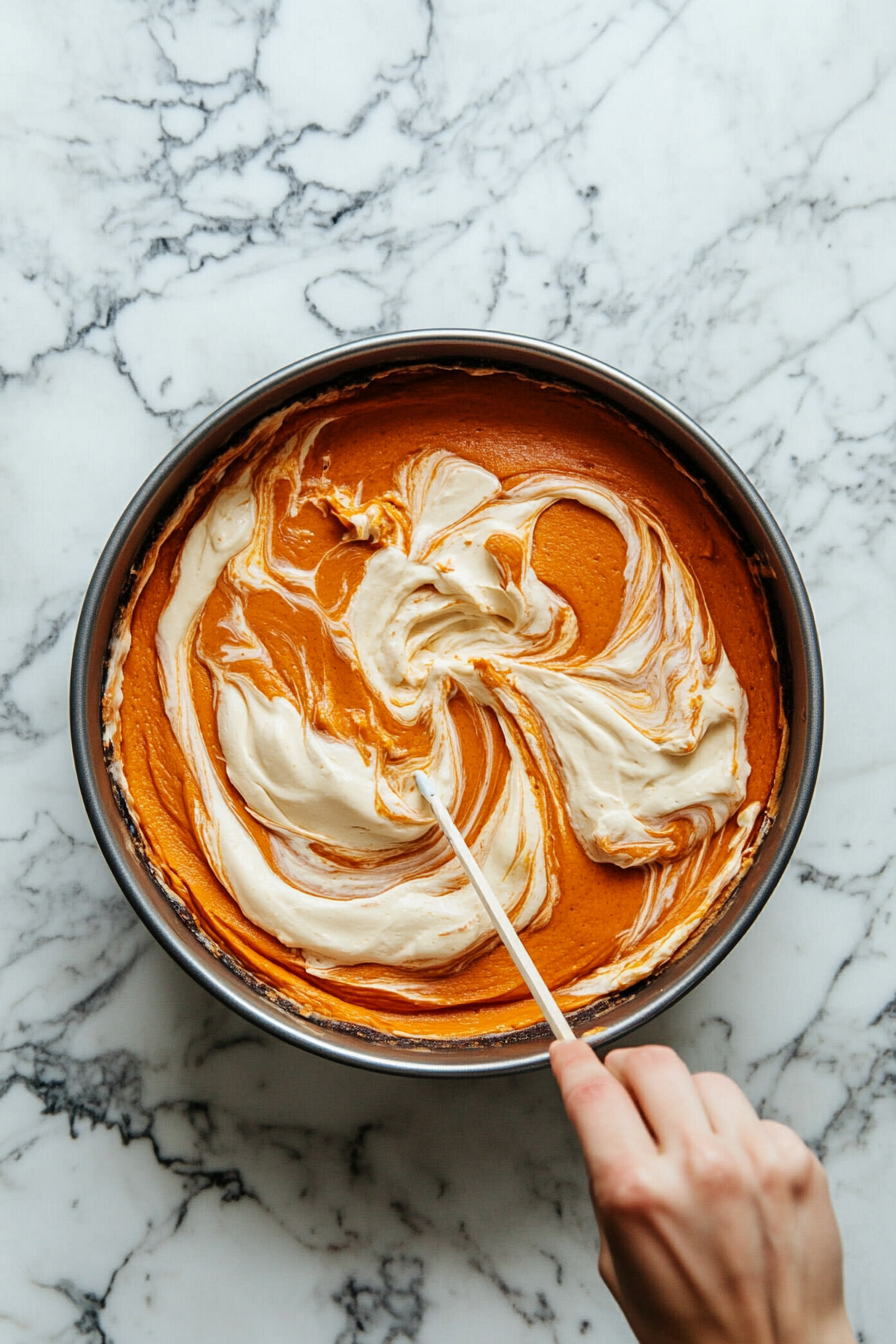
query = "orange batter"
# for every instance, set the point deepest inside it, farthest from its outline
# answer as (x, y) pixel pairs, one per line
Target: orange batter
(513, 427)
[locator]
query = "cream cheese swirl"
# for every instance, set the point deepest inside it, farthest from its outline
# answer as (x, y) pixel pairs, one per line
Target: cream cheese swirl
(644, 745)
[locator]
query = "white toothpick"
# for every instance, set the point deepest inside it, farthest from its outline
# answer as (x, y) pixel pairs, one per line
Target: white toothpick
(509, 936)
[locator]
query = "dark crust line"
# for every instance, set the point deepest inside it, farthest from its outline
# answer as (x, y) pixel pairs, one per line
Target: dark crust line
(590, 1012)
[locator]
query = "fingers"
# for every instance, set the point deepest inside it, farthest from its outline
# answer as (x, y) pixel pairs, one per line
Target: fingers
(646, 1096)
(787, 1163)
(780, 1158)
(610, 1128)
(728, 1110)
(664, 1090)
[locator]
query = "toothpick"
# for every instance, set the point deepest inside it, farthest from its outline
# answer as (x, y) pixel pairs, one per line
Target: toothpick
(509, 936)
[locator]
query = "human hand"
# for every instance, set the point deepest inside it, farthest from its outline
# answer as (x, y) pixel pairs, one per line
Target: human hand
(716, 1227)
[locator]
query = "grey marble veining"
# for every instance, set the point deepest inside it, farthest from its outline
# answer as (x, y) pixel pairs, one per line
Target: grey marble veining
(195, 192)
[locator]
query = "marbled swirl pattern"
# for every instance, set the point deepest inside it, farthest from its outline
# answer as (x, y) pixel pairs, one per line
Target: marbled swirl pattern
(194, 193)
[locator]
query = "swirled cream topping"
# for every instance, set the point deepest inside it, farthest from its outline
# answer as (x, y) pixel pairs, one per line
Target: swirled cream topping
(317, 646)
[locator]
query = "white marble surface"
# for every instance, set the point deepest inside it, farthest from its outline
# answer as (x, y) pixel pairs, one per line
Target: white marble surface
(195, 192)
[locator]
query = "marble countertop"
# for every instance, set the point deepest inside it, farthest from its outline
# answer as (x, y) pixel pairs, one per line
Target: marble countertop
(195, 192)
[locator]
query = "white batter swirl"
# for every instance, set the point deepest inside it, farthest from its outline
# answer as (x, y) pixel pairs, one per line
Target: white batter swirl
(644, 742)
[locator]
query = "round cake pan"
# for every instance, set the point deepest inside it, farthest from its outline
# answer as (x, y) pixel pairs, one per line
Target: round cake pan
(701, 457)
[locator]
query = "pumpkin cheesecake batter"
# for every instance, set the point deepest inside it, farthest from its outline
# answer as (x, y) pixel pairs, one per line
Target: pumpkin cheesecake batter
(500, 582)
